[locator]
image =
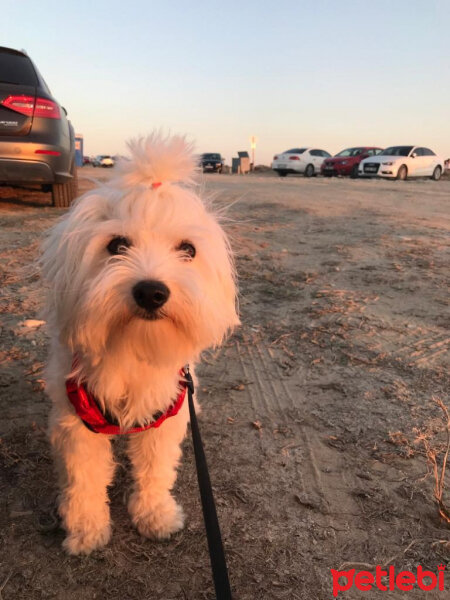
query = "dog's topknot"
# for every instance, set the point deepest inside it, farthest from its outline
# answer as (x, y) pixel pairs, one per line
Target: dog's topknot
(159, 159)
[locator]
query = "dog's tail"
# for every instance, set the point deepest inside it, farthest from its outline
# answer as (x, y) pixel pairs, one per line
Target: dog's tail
(158, 159)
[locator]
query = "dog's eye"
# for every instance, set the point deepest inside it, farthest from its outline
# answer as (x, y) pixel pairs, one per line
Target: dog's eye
(118, 245)
(187, 249)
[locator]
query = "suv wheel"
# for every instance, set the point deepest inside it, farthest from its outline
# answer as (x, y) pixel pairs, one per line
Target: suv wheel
(64, 193)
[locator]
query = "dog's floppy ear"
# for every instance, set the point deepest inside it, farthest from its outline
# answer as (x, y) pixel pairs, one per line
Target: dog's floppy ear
(158, 159)
(63, 252)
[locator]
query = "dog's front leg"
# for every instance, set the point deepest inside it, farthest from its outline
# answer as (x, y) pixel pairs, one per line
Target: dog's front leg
(155, 455)
(85, 468)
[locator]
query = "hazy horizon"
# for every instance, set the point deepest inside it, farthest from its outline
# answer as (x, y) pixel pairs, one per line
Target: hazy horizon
(327, 74)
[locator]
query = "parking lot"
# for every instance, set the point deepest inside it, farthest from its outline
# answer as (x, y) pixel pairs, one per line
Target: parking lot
(314, 413)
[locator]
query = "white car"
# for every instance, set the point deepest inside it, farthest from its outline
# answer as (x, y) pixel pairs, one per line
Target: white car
(299, 160)
(103, 160)
(400, 162)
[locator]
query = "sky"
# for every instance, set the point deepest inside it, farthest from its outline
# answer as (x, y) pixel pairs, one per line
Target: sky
(292, 73)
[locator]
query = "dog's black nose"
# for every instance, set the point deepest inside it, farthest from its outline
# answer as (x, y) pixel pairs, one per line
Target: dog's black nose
(150, 294)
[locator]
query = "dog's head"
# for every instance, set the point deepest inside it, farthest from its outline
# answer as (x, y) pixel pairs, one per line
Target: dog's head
(141, 263)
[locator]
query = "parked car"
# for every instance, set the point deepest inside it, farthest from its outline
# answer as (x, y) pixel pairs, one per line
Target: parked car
(103, 160)
(211, 162)
(37, 141)
(299, 160)
(400, 162)
(347, 161)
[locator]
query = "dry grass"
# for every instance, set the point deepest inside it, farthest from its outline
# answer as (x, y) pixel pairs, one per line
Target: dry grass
(433, 454)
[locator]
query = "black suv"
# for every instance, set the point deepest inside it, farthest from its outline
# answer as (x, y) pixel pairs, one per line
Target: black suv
(211, 162)
(37, 141)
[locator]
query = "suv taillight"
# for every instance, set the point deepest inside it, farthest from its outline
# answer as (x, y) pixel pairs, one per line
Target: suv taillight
(47, 109)
(21, 104)
(275, 157)
(27, 105)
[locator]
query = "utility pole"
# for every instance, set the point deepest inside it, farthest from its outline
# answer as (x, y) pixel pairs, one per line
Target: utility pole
(253, 146)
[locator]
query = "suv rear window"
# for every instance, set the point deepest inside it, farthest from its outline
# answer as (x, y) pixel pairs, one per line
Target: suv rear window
(16, 69)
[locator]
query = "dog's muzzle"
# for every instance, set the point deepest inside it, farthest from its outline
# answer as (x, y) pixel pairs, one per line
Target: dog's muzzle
(150, 295)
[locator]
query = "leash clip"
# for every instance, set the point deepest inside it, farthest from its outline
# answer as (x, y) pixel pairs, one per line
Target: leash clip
(189, 380)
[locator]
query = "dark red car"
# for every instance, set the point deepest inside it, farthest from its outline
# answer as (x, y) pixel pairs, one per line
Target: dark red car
(347, 161)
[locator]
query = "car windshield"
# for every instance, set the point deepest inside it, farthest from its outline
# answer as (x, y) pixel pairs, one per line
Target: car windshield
(211, 156)
(397, 151)
(350, 152)
(295, 151)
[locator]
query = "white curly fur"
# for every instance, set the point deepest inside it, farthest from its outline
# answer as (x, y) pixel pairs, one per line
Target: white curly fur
(158, 158)
(131, 364)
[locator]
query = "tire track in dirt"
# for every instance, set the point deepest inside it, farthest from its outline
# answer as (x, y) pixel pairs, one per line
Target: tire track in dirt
(425, 353)
(323, 485)
(422, 352)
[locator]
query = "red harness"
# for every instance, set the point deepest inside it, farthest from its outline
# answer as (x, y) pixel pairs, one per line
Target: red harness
(89, 411)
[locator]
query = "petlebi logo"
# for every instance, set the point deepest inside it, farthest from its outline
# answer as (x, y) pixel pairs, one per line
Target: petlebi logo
(388, 580)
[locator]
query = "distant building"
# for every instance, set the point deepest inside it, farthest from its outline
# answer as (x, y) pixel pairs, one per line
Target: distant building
(79, 149)
(241, 164)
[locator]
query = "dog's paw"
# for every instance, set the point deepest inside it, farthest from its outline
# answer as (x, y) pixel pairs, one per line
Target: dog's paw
(84, 541)
(161, 521)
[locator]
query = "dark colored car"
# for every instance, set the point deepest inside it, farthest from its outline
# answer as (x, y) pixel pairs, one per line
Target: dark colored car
(212, 162)
(347, 161)
(37, 141)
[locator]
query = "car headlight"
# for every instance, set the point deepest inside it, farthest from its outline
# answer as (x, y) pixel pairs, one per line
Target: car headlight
(388, 163)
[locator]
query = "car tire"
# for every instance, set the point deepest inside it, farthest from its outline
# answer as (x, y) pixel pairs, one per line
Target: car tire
(354, 172)
(282, 173)
(64, 193)
(402, 173)
(309, 171)
(436, 174)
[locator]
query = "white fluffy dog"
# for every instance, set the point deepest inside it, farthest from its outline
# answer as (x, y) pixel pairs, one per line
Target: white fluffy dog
(141, 280)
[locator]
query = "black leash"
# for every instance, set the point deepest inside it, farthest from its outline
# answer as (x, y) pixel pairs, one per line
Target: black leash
(216, 552)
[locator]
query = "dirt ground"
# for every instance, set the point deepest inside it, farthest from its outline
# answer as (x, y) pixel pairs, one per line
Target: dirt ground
(315, 413)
